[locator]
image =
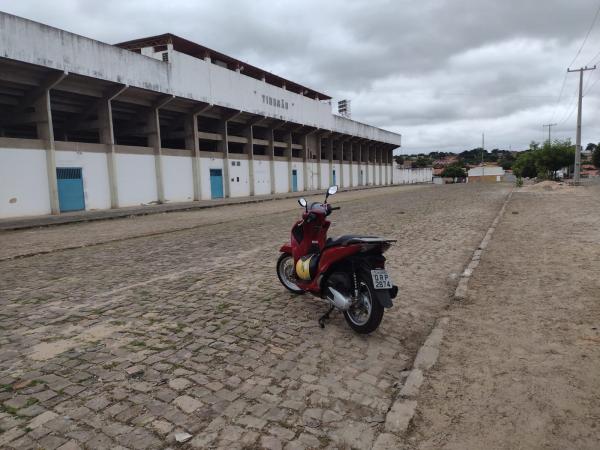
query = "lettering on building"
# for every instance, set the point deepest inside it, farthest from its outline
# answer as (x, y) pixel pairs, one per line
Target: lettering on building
(276, 102)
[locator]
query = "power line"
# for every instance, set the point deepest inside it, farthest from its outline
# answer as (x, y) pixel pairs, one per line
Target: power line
(590, 88)
(586, 35)
(571, 108)
(575, 57)
(562, 88)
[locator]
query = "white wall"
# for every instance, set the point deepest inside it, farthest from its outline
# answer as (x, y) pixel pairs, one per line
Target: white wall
(136, 179)
(363, 181)
(486, 171)
(411, 176)
(205, 165)
(239, 177)
(325, 174)
(178, 178)
(355, 173)
(24, 181)
(262, 177)
(94, 171)
(346, 169)
(281, 176)
(312, 176)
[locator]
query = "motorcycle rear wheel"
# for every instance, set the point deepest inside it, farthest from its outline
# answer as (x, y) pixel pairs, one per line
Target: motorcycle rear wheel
(366, 315)
(286, 273)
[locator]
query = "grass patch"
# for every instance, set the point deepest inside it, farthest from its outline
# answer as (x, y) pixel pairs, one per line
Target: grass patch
(137, 343)
(9, 410)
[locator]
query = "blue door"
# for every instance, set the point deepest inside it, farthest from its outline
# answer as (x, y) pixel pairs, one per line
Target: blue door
(334, 183)
(294, 180)
(70, 189)
(216, 183)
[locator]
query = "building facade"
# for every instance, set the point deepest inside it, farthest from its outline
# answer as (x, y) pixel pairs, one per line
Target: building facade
(485, 174)
(87, 125)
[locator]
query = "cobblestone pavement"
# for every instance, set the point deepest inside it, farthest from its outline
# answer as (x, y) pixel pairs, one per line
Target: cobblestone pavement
(130, 342)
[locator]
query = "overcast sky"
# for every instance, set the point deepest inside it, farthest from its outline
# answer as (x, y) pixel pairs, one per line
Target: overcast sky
(439, 72)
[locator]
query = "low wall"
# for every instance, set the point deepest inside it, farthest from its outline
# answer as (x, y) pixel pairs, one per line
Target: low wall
(412, 176)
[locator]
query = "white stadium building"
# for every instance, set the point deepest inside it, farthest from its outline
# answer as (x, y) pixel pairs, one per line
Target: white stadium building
(86, 125)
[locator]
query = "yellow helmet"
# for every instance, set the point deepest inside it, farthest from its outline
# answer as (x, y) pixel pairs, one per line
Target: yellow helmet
(304, 266)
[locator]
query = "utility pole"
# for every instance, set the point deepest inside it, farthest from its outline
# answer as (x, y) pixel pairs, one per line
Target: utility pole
(577, 172)
(549, 125)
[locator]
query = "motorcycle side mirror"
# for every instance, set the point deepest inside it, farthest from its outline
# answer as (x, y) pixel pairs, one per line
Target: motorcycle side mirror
(332, 190)
(302, 202)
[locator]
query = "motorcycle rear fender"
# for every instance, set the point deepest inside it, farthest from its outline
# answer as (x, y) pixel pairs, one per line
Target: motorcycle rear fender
(376, 262)
(366, 264)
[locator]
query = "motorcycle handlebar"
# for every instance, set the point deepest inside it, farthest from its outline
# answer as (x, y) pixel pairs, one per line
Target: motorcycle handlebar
(333, 208)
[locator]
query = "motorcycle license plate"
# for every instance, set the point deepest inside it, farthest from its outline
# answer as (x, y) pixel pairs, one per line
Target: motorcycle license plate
(381, 279)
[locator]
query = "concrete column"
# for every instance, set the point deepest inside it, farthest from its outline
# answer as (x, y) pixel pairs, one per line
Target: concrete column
(330, 158)
(154, 142)
(249, 150)
(368, 160)
(393, 165)
(271, 153)
(350, 148)
(340, 157)
(224, 148)
(380, 152)
(305, 157)
(319, 182)
(289, 153)
(107, 137)
(45, 132)
(359, 157)
(192, 143)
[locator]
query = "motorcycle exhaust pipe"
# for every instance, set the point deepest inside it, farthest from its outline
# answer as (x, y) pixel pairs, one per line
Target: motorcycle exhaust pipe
(339, 300)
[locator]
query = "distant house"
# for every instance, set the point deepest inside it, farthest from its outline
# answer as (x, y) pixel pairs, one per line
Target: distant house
(485, 174)
(588, 170)
(446, 161)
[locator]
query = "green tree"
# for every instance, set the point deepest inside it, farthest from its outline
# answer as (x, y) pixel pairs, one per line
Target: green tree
(454, 171)
(596, 157)
(552, 157)
(543, 161)
(399, 159)
(421, 161)
(525, 166)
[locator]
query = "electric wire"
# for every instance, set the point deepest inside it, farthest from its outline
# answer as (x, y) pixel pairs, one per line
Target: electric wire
(586, 35)
(575, 58)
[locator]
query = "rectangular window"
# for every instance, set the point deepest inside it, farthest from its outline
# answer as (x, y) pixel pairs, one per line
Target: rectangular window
(165, 57)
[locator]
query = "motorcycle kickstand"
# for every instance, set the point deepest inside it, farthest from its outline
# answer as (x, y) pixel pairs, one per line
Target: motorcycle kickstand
(325, 317)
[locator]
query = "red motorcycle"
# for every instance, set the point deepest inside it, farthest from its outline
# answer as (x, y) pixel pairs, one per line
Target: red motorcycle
(349, 272)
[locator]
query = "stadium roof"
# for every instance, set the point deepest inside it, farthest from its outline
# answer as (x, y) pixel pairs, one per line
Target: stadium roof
(199, 51)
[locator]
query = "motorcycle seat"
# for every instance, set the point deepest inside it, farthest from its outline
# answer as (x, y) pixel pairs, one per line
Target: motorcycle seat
(348, 239)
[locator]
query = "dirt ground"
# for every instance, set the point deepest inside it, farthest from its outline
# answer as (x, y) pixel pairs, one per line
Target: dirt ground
(519, 367)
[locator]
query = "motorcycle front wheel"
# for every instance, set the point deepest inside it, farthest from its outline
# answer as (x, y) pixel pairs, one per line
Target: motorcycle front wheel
(365, 315)
(286, 273)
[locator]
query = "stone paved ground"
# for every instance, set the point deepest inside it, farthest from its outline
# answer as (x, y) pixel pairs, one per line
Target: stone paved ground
(126, 343)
